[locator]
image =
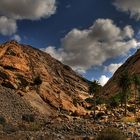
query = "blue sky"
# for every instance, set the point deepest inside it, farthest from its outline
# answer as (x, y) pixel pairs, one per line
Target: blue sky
(94, 37)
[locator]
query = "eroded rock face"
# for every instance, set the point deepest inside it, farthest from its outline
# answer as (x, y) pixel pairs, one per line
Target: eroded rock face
(44, 82)
(132, 65)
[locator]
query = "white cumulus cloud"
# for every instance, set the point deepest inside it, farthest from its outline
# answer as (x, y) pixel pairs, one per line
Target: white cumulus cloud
(27, 9)
(83, 49)
(56, 53)
(131, 7)
(13, 10)
(103, 80)
(7, 26)
(113, 67)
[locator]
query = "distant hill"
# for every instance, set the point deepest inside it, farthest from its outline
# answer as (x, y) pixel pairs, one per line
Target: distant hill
(132, 66)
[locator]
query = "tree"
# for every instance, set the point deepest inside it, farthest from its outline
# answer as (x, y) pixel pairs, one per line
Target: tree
(94, 90)
(114, 101)
(125, 83)
(138, 95)
(136, 81)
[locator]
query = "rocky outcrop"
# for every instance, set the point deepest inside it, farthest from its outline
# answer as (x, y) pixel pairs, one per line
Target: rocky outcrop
(132, 66)
(45, 83)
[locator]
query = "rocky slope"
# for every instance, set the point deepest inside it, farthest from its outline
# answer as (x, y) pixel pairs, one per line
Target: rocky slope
(45, 84)
(38, 94)
(132, 65)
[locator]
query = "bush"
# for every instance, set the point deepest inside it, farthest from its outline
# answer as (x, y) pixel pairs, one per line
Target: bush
(2, 120)
(37, 80)
(75, 102)
(9, 128)
(89, 100)
(9, 68)
(28, 117)
(11, 52)
(111, 134)
(34, 127)
(138, 119)
(67, 67)
(4, 75)
(131, 109)
(115, 101)
(99, 115)
(75, 113)
(100, 100)
(23, 81)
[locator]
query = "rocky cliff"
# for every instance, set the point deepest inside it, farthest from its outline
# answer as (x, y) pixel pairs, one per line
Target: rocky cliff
(132, 66)
(47, 85)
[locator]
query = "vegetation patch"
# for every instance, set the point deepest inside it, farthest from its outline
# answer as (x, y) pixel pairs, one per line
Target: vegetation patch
(9, 68)
(28, 117)
(111, 133)
(32, 126)
(9, 128)
(137, 119)
(4, 75)
(23, 81)
(2, 120)
(38, 80)
(11, 52)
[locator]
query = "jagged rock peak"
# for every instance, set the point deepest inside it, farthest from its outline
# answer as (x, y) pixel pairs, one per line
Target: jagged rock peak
(11, 42)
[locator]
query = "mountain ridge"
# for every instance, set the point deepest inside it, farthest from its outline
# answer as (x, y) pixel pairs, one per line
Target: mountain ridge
(131, 65)
(47, 84)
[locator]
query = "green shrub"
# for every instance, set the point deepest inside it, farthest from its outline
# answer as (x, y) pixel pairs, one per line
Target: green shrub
(9, 128)
(115, 101)
(11, 52)
(100, 100)
(2, 120)
(111, 133)
(99, 115)
(9, 67)
(67, 67)
(138, 119)
(32, 126)
(75, 102)
(23, 81)
(89, 100)
(28, 117)
(38, 80)
(4, 75)
(131, 109)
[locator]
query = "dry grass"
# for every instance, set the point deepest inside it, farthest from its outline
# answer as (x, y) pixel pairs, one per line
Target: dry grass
(111, 133)
(128, 119)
